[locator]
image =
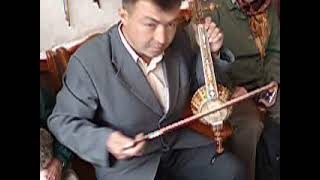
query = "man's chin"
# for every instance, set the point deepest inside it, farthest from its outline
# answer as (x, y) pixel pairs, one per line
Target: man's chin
(152, 53)
(155, 53)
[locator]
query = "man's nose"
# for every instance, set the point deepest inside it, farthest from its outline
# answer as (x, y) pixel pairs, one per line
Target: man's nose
(160, 35)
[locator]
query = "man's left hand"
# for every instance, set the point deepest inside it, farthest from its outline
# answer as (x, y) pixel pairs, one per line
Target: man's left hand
(215, 36)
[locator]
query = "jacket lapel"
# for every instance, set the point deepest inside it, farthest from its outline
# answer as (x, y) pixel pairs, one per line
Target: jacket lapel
(172, 64)
(130, 74)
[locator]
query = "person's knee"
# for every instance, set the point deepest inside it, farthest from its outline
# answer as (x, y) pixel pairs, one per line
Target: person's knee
(255, 127)
(247, 119)
(247, 130)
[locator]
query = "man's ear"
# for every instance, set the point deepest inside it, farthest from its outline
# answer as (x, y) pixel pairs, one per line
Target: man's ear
(124, 15)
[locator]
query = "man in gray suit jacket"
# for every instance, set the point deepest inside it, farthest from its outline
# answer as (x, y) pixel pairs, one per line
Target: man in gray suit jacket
(135, 78)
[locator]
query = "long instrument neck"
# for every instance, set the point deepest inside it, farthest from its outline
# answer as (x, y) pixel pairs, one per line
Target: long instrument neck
(207, 64)
(208, 69)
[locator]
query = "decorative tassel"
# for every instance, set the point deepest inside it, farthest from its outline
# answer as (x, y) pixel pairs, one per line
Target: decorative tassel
(258, 22)
(261, 31)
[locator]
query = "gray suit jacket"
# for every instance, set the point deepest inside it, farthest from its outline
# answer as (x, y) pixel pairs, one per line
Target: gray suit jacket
(104, 90)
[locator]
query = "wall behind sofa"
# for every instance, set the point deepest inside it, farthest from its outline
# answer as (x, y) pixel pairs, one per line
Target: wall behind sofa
(85, 16)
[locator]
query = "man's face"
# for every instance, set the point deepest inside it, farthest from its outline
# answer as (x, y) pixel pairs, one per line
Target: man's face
(148, 29)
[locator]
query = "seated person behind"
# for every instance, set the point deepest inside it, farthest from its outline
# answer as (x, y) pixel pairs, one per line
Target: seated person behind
(256, 47)
(54, 157)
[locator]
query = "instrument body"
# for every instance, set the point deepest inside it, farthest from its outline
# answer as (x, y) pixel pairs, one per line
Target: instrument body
(211, 94)
(200, 103)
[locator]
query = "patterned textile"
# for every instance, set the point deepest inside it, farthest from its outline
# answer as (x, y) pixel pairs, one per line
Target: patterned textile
(46, 152)
(261, 31)
(253, 8)
(258, 22)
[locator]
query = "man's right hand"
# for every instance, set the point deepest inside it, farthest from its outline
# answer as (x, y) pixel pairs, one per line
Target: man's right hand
(268, 99)
(117, 142)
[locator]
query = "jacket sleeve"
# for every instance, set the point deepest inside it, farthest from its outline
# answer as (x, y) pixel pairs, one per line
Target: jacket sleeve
(72, 118)
(272, 60)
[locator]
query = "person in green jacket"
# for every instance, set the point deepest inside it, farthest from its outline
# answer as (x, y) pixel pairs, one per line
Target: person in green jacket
(251, 31)
(54, 157)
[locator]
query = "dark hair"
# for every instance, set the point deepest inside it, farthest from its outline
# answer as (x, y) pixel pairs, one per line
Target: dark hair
(163, 4)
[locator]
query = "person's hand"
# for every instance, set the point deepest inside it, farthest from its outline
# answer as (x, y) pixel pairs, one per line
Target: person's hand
(268, 99)
(117, 142)
(53, 171)
(215, 36)
(239, 91)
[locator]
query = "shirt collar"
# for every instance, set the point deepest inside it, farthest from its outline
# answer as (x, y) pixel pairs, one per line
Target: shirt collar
(232, 4)
(133, 54)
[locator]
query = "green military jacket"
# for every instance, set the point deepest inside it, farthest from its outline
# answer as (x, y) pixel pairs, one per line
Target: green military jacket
(46, 106)
(248, 69)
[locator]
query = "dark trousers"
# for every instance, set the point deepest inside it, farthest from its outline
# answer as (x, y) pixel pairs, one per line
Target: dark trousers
(247, 128)
(248, 125)
(268, 149)
(268, 153)
(273, 113)
(195, 164)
